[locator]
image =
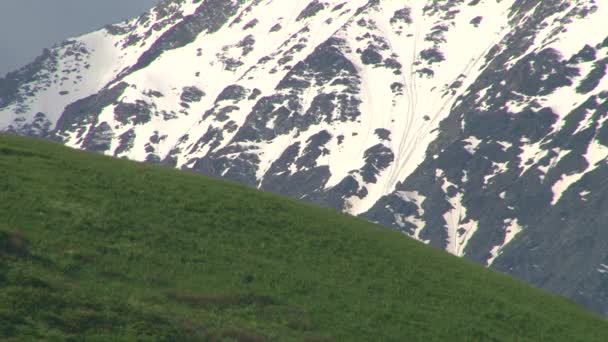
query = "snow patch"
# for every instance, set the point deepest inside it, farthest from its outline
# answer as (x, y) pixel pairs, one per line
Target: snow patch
(472, 143)
(459, 227)
(531, 154)
(497, 168)
(511, 228)
(416, 220)
(596, 153)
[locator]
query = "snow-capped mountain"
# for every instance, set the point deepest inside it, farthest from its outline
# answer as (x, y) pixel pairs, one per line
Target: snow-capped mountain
(477, 126)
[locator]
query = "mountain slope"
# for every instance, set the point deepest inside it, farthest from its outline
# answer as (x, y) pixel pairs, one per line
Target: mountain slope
(101, 248)
(475, 126)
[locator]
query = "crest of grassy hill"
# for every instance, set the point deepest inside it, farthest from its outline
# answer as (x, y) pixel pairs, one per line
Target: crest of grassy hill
(100, 249)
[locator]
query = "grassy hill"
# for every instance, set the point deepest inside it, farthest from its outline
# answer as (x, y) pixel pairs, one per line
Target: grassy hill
(99, 249)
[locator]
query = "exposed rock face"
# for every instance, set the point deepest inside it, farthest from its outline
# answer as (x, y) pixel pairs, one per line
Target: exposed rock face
(475, 126)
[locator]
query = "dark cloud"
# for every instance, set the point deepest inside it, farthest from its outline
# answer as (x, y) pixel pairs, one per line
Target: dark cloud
(28, 26)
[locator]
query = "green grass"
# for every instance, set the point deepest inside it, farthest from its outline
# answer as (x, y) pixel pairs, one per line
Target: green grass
(100, 249)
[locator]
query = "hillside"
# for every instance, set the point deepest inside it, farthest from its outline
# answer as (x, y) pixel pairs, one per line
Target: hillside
(478, 127)
(111, 249)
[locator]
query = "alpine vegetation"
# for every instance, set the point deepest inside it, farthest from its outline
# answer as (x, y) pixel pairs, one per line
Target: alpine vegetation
(101, 249)
(475, 126)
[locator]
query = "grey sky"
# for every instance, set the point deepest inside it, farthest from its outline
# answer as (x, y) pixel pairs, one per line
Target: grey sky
(28, 26)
